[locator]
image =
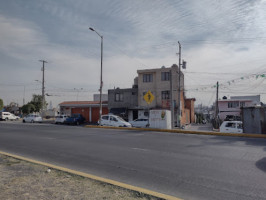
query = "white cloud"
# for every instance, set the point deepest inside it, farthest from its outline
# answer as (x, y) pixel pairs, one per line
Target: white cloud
(216, 36)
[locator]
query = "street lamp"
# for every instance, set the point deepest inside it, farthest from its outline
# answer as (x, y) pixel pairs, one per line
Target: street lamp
(101, 81)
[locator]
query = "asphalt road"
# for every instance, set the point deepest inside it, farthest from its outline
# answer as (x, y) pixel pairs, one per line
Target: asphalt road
(182, 165)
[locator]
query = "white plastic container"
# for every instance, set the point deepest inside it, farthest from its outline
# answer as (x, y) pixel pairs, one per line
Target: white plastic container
(160, 119)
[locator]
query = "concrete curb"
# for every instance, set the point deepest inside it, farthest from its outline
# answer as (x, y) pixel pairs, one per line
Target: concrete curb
(93, 177)
(248, 135)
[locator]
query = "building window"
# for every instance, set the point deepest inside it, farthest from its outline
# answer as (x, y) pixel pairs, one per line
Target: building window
(165, 95)
(119, 97)
(165, 76)
(242, 104)
(147, 78)
(233, 104)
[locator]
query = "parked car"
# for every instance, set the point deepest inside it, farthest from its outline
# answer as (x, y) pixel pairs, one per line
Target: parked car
(113, 120)
(232, 118)
(75, 119)
(8, 116)
(140, 123)
(32, 118)
(60, 119)
(231, 127)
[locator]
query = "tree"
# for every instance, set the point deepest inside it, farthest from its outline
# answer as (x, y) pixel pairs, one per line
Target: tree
(37, 102)
(1, 104)
(28, 108)
(35, 105)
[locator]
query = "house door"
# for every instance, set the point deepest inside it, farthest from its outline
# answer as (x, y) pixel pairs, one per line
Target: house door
(135, 114)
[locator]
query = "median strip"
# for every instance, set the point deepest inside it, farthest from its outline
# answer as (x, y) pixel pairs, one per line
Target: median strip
(96, 178)
(182, 131)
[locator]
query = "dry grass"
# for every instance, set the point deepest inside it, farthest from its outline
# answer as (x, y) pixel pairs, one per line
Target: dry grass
(20, 180)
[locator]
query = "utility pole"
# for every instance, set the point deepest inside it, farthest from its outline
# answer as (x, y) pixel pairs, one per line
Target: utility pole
(24, 96)
(217, 110)
(179, 88)
(171, 99)
(43, 96)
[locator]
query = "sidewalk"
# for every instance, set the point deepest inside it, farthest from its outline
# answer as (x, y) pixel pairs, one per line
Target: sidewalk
(199, 127)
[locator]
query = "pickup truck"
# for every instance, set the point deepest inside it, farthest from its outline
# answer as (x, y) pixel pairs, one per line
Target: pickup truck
(76, 119)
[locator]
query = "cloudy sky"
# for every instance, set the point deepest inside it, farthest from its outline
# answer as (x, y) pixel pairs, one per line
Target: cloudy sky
(222, 40)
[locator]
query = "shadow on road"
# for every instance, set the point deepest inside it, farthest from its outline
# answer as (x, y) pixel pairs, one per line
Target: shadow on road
(261, 164)
(231, 141)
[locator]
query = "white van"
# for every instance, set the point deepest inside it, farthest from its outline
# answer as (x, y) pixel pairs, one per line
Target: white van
(231, 127)
(113, 120)
(8, 116)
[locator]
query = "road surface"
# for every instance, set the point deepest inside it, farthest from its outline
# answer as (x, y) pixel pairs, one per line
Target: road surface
(181, 165)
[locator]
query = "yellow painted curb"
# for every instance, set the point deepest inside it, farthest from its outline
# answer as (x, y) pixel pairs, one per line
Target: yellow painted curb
(249, 135)
(97, 178)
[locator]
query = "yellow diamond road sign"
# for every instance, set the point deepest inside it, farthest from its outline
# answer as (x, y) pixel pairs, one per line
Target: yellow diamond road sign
(148, 97)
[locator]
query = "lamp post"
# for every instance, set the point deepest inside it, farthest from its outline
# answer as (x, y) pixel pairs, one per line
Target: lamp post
(101, 79)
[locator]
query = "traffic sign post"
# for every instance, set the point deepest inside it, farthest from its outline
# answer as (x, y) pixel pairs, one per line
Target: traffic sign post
(148, 97)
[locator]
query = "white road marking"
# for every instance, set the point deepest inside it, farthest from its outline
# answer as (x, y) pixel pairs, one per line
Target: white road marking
(140, 149)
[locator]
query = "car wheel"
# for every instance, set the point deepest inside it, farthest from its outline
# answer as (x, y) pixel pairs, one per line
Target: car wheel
(23, 121)
(32, 121)
(77, 123)
(6, 119)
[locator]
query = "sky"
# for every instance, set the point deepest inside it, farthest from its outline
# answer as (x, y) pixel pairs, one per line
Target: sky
(221, 40)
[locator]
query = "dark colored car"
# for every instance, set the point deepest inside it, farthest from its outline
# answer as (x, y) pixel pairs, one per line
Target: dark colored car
(75, 119)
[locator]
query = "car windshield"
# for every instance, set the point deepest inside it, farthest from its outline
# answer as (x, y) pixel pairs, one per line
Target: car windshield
(121, 119)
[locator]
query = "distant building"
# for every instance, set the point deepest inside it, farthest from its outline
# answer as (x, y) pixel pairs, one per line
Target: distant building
(255, 99)
(89, 109)
(232, 107)
(96, 97)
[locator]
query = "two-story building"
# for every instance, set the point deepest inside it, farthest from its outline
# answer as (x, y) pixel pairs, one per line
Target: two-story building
(162, 83)
(232, 107)
(124, 102)
(159, 81)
